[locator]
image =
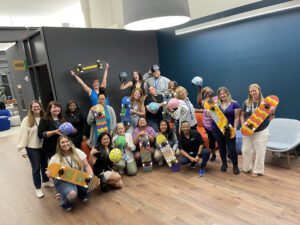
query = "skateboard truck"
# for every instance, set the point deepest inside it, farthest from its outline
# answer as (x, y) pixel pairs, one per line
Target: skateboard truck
(60, 173)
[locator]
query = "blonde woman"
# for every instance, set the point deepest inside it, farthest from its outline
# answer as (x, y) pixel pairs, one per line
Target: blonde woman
(186, 110)
(70, 156)
(137, 108)
(231, 110)
(256, 143)
(30, 145)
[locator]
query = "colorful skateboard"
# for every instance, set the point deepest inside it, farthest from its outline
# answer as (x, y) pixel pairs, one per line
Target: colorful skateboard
(219, 118)
(167, 95)
(65, 173)
(259, 115)
(167, 152)
(125, 110)
(145, 153)
(99, 65)
(101, 123)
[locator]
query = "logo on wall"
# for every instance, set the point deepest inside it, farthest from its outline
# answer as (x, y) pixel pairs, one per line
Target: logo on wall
(19, 65)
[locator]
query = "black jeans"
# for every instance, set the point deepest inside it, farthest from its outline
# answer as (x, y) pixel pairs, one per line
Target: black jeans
(39, 162)
(211, 139)
(226, 145)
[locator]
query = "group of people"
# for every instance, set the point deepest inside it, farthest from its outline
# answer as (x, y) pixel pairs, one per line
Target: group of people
(43, 143)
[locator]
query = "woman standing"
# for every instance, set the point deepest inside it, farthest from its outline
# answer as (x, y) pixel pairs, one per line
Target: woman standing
(30, 145)
(137, 108)
(49, 127)
(72, 157)
(256, 143)
(101, 164)
(78, 120)
(110, 117)
(231, 110)
(136, 82)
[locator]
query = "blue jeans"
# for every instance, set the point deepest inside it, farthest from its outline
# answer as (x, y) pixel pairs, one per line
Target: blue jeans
(39, 161)
(64, 188)
(205, 157)
(226, 145)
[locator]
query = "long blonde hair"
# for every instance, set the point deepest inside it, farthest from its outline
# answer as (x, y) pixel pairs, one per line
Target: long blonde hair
(30, 115)
(178, 92)
(249, 100)
(73, 154)
(139, 102)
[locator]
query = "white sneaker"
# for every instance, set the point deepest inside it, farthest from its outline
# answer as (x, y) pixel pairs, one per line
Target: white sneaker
(39, 193)
(48, 184)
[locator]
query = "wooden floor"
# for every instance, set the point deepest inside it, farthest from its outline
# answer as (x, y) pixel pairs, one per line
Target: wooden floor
(159, 197)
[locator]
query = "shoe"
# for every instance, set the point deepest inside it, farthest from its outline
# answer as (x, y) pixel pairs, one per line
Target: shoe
(254, 175)
(213, 157)
(48, 184)
(223, 168)
(67, 206)
(84, 198)
(39, 193)
(236, 170)
(161, 162)
(201, 172)
(193, 165)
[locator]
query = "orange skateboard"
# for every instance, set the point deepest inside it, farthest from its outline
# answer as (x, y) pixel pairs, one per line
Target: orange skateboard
(219, 118)
(65, 173)
(259, 115)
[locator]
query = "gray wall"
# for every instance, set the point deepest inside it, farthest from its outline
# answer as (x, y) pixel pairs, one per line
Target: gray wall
(124, 50)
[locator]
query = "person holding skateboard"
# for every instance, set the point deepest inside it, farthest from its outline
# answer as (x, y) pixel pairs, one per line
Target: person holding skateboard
(68, 155)
(102, 166)
(191, 147)
(257, 142)
(97, 88)
(231, 109)
(30, 145)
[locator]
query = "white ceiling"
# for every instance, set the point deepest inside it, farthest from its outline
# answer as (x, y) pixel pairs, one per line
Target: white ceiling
(56, 12)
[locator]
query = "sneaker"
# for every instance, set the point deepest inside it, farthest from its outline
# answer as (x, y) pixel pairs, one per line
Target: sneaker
(39, 193)
(83, 199)
(236, 170)
(193, 165)
(201, 172)
(223, 168)
(67, 206)
(48, 184)
(160, 162)
(213, 157)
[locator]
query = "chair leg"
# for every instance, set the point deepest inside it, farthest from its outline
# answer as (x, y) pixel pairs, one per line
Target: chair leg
(288, 160)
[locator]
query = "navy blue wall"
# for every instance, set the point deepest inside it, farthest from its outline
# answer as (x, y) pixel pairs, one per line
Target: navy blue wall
(264, 50)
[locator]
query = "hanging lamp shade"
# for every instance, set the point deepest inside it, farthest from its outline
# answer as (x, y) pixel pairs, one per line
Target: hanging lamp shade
(154, 14)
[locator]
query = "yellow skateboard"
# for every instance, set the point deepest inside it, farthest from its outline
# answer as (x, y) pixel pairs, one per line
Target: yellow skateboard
(98, 65)
(219, 118)
(65, 173)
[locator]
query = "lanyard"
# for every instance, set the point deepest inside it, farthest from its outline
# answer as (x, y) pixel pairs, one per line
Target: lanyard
(156, 81)
(70, 163)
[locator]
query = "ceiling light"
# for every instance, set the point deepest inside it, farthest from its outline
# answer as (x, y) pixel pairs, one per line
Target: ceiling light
(154, 14)
(241, 16)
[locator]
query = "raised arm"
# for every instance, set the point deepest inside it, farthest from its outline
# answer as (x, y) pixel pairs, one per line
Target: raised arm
(86, 88)
(104, 80)
(124, 86)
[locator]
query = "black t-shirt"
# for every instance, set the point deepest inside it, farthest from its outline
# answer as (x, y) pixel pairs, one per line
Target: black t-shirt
(158, 116)
(249, 109)
(191, 145)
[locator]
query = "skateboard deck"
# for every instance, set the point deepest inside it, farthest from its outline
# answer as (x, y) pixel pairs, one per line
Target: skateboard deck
(259, 115)
(145, 153)
(125, 110)
(101, 123)
(74, 176)
(167, 95)
(167, 152)
(219, 118)
(89, 67)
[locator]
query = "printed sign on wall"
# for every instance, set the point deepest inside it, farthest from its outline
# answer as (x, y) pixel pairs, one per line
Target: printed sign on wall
(19, 65)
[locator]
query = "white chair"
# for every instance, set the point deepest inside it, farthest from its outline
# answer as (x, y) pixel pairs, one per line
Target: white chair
(284, 137)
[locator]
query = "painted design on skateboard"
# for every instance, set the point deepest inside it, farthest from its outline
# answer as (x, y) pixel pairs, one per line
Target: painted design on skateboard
(167, 152)
(219, 118)
(167, 95)
(74, 176)
(98, 65)
(259, 115)
(125, 110)
(101, 123)
(145, 150)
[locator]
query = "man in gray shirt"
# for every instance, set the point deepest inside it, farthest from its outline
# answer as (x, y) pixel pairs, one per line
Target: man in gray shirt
(160, 83)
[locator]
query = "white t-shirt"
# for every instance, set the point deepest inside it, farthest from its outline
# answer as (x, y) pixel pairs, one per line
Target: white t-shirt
(67, 161)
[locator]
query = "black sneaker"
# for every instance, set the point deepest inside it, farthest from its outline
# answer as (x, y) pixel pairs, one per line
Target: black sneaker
(213, 157)
(67, 206)
(236, 170)
(223, 168)
(83, 198)
(193, 165)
